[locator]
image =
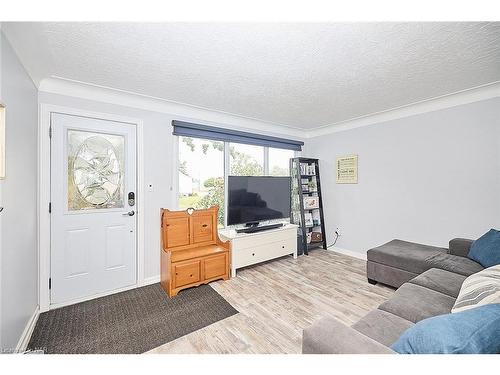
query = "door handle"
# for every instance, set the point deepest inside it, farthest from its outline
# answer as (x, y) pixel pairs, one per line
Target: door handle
(130, 213)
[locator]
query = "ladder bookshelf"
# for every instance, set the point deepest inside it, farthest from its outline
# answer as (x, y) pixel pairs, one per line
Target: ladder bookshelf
(307, 204)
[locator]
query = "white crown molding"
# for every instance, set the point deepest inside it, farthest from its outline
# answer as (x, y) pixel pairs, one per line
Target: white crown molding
(484, 92)
(61, 86)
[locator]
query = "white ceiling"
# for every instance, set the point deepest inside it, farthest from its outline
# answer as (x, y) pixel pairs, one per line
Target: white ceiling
(299, 75)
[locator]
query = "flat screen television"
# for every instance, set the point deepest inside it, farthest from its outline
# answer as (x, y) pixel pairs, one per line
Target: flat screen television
(252, 199)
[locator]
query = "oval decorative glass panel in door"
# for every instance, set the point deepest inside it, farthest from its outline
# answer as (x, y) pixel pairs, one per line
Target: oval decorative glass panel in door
(95, 170)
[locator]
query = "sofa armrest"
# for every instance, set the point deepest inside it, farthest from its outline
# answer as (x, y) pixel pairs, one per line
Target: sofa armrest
(460, 247)
(330, 336)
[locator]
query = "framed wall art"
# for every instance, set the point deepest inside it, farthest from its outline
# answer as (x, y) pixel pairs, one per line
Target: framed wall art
(347, 169)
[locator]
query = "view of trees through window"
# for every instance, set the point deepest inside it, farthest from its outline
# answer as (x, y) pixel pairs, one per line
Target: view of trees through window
(201, 174)
(201, 169)
(279, 161)
(246, 160)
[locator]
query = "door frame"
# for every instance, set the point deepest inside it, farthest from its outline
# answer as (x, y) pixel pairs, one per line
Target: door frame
(43, 192)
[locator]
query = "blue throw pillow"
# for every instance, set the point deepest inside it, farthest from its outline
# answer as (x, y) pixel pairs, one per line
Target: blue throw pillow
(486, 249)
(473, 331)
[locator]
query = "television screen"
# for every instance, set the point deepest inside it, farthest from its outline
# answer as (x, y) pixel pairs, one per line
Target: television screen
(257, 198)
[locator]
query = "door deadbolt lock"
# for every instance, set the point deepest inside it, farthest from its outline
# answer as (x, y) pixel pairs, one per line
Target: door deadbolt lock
(131, 199)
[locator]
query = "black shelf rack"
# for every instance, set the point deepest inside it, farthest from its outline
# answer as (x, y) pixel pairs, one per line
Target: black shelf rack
(306, 183)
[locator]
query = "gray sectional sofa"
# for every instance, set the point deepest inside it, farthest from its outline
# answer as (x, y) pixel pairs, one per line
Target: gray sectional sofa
(429, 280)
(398, 261)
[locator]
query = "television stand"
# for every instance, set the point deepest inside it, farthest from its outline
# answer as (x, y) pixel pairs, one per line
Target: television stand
(256, 228)
(252, 248)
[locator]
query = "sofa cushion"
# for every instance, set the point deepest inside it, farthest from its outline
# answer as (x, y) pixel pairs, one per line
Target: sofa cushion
(481, 288)
(486, 249)
(474, 331)
(414, 303)
(463, 266)
(382, 326)
(404, 255)
(330, 336)
(442, 281)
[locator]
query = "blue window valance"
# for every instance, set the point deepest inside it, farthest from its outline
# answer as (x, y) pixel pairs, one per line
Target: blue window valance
(188, 129)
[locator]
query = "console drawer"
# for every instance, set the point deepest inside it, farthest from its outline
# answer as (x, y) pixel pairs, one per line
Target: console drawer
(185, 273)
(247, 256)
(265, 238)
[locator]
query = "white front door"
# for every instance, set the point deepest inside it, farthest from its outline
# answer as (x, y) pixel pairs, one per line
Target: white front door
(93, 221)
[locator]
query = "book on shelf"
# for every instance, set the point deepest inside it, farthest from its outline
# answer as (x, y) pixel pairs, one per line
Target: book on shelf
(307, 169)
(311, 203)
(308, 218)
(316, 218)
(303, 168)
(309, 186)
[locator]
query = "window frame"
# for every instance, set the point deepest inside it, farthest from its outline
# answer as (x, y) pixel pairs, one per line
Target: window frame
(175, 177)
(295, 154)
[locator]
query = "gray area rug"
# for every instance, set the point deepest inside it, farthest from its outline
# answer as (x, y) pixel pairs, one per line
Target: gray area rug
(129, 322)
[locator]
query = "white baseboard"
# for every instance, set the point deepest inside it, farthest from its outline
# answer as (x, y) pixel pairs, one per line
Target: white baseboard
(151, 280)
(350, 253)
(28, 331)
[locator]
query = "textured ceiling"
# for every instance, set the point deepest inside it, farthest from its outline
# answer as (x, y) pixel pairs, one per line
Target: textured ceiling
(299, 75)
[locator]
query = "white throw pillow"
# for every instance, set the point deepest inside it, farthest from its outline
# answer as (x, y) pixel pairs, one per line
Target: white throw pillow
(479, 289)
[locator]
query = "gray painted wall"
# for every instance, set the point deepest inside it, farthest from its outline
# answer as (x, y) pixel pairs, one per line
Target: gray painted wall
(426, 178)
(18, 233)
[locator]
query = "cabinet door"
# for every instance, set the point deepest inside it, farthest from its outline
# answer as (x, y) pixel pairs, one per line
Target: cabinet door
(202, 228)
(186, 273)
(215, 266)
(177, 231)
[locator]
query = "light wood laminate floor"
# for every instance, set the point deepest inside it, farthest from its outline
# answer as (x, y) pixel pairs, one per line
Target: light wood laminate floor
(278, 299)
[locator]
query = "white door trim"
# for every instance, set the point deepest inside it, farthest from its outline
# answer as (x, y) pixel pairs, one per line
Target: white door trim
(44, 194)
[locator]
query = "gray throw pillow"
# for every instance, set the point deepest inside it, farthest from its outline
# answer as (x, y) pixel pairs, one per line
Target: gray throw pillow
(481, 288)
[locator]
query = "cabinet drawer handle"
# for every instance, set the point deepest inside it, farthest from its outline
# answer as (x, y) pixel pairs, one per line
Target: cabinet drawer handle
(205, 225)
(283, 246)
(191, 275)
(253, 254)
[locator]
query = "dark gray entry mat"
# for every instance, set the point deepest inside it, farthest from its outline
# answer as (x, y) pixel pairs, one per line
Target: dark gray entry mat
(129, 322)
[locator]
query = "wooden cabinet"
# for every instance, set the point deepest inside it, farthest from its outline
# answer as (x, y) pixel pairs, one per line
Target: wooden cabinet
(215, 266)
(185, 273)
(191, 251)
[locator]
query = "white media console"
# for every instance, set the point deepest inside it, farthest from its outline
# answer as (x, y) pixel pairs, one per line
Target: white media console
(252, 248)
